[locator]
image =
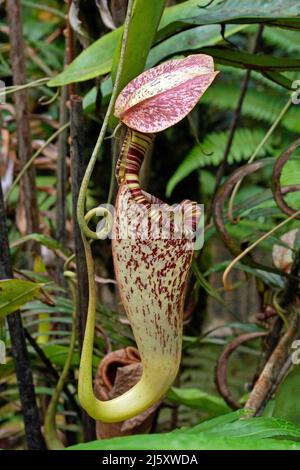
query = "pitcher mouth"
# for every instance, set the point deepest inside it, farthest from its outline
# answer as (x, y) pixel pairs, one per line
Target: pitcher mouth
(153, 219)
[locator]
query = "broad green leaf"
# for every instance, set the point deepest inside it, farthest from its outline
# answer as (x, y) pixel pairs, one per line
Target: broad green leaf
(287, 404)
(175, 16)
(284, 13)
(227, 432)
(14, 293)
(261, 427)
(181, 441)
(279, 79)
(270, 279)
(190, 40)
(262, 62)
(288, 41)
(58, 354)
(94, 61)
(202, 401)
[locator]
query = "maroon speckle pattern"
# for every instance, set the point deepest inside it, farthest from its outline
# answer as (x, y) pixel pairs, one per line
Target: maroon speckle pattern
(151, 275)
(163, 95)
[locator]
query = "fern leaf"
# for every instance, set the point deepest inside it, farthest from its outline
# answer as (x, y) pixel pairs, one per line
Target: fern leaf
(264, 106)
(237, 75)
(211, 152)
(291, 173)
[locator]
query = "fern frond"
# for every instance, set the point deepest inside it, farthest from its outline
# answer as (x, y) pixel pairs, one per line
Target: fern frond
(262, 106)
(211, 152)
(291, 173)
(233, 73)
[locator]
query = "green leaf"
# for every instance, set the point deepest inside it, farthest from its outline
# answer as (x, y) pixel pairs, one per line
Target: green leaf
(94, 61)
(271, 279)
(283, 39)
(174, 17)
(287, 404)
(43, 240)
(279, 79)
(190, 40)
(57, 354)
(97, 59)
(194, 398)
(290, 173)
(263, 106)
(14, 293)
(262, 62)
(227, 432)
(283, 13)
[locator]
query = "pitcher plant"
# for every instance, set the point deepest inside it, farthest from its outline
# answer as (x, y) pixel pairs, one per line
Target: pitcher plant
(152, 242)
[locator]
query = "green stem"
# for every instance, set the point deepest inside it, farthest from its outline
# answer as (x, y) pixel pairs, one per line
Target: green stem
(86, 179)
(14, 88)
(113, 166)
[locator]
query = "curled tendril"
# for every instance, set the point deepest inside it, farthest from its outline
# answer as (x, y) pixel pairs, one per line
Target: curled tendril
(218, 213)
(221, 197)
(276, 186)
(221, 369)
(108, 221)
